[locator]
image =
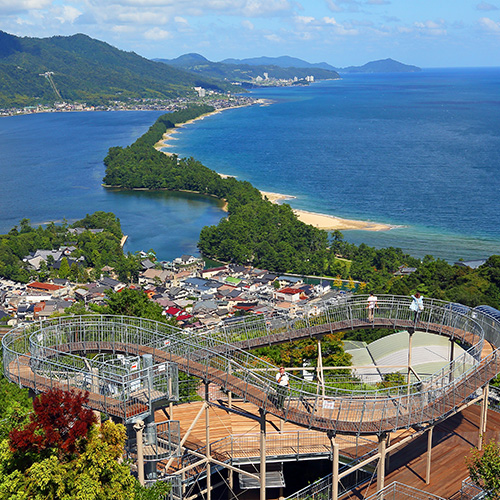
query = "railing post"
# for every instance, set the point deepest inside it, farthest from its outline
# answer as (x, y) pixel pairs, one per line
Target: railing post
(411, 331)
(262, 454)
(429, 455)
(335, 470)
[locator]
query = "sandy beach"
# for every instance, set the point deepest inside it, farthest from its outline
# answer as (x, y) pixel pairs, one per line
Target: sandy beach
(327, 222)
(169, 133)
(321, 221)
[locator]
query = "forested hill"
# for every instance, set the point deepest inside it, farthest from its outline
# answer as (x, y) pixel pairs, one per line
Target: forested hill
(247, 72)
(256, 231)
(85, 70)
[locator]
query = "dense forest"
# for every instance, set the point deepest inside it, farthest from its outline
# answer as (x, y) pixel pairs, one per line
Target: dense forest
(97, 249)
(270, 236)
(86, 70)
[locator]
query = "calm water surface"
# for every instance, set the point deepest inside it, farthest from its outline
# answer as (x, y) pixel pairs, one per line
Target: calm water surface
(51, 166)
(419, 151)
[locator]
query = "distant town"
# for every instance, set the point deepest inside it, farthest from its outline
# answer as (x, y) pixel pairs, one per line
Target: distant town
(203, 96)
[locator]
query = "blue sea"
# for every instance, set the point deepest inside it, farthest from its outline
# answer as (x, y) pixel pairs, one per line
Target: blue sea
(419, 151)
(51, 169)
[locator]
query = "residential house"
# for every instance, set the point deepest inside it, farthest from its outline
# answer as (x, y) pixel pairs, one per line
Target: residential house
(288, 294)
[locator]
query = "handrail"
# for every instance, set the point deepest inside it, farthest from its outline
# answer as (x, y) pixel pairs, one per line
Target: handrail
(221, 356)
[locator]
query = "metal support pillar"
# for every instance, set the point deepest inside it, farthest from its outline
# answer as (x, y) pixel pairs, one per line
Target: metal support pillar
(170, 404)
(230, 481)
(388, 453)
(138, 427)
(429, 455)
(452, 357)
(262, 454)
(335, 470)
(382, 441)
(411, 331)
(207, 439)
(321, 375)
(229, 394)
(484, 416)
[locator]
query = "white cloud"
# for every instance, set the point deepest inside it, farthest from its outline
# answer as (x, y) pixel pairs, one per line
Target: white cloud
(67, 14)
(123, 29)
(339, 29)
(489, 25)
(486, 6)
(151, 17)
(431, 27)
(273, 38)
(378, 2)
(18, 6)
(156, 34)
(333, 6)
(258, 8)
(248, 8)
(304, 19)
(247, 24)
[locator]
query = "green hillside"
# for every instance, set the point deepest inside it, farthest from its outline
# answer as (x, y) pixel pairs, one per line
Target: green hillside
(86, 70)
(244, 72)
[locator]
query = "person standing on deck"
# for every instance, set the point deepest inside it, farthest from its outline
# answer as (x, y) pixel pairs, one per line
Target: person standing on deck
(283, 381)
(372, 304)
(417, 306)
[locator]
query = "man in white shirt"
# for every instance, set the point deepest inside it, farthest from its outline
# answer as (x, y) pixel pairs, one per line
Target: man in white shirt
(372, 304)
(283, 381)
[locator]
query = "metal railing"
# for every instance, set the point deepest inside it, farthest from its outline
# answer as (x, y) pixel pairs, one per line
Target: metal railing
(220, 357)
(399, 491)
(471, 491)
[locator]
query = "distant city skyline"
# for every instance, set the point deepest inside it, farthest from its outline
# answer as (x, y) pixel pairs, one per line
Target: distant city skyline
(438, 33)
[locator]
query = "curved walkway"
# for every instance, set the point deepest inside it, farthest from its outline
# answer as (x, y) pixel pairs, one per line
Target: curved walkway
(53, 354)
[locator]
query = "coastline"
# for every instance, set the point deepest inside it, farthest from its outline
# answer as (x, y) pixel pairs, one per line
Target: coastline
(320, 221)
(327, 222)
(168, 135)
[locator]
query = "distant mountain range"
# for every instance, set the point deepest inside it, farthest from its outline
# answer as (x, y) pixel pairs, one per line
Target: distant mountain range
(381, 66)
(88, 70)
(282, 62)
(84, 69)
(245, 72)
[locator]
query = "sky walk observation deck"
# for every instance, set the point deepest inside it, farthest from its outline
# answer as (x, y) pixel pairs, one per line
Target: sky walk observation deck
(53, 353)
(130, 366)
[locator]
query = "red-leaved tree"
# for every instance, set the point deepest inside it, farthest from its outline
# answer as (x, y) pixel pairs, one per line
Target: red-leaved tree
(59, 424)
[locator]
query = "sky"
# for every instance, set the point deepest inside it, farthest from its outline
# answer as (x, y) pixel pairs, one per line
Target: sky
(426, 33)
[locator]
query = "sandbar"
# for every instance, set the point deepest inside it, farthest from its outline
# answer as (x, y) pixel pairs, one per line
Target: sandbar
(164, 142)
(327, 222)
(321, 221)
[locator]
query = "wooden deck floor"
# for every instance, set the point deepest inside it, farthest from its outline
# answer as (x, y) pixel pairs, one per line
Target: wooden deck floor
(452, 442)
(281, 436)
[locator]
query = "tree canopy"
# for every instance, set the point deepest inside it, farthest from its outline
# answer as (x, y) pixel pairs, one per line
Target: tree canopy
(62, 454)
(484, 468)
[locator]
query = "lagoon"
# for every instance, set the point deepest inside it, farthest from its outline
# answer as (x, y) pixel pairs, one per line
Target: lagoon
(51, 166)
